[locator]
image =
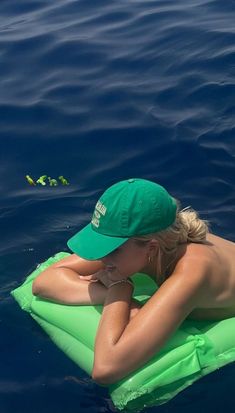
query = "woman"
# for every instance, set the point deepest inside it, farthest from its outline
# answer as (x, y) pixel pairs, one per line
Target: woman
(138, 227)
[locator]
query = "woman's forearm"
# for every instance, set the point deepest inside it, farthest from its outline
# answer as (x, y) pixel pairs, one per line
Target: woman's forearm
(116, 313)
(115, 317)
(63, 285)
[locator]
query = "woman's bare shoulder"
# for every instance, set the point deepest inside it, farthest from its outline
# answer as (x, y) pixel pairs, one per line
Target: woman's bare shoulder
(215, 249)
(193, 271)
(213, 266)
(196, 257)
(215, 240)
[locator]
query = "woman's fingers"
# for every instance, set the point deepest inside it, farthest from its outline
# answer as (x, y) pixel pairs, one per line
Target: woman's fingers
(102, 276)
(90, 278)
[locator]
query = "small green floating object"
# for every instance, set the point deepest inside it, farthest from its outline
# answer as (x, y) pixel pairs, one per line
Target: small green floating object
(42, 180)
(52, 182)
(30, 180)
(63, 180)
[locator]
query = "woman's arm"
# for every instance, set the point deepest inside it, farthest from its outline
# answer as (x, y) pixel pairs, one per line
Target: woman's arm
(61, 283)
(123, 345)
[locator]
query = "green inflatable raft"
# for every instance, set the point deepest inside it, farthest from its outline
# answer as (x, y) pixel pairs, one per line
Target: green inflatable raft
(196, 349)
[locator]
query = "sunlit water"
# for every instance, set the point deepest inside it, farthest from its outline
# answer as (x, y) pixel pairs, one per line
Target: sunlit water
(100, 91)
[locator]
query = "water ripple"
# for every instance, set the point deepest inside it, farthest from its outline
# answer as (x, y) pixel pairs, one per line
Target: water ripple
(101, 91)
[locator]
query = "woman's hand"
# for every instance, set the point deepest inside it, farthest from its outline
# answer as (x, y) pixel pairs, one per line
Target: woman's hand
(106, 277)
(103, 276)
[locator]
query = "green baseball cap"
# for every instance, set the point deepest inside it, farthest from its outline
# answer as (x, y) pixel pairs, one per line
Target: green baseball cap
(126, 209)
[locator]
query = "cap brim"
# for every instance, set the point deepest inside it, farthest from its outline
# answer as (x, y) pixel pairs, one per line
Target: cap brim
(91, 245)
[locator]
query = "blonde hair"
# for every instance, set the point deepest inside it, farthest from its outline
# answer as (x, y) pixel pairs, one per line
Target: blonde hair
(186, 228)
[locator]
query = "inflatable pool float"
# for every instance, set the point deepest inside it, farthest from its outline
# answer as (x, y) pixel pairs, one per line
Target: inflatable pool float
(196, 349)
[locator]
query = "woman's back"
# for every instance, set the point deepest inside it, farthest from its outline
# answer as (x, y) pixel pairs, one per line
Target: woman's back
(219, 299)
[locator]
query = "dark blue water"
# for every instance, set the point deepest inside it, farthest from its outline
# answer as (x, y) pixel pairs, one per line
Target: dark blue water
(100, 91)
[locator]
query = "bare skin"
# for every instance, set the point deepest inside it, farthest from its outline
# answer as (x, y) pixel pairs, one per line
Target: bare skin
(73, 281)
(199, 283)
(219, 302)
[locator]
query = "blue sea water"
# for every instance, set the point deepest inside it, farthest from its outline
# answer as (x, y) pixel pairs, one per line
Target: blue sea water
(101, 91)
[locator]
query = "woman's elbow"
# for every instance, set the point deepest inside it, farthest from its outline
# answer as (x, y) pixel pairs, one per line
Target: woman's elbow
(36, 287)
(104, 376)
(41, 285)
(44, 282)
